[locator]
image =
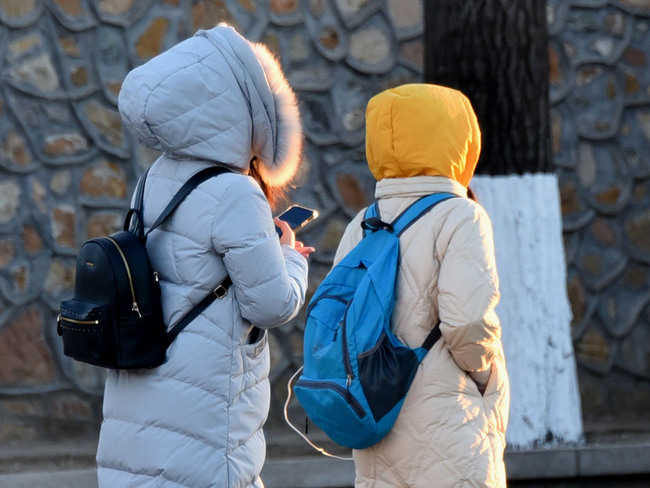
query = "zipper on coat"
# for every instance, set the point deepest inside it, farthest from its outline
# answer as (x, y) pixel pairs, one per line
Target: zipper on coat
(330, 385)
(135, 307)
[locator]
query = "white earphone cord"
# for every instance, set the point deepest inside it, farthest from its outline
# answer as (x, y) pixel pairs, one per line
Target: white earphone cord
(286, 418)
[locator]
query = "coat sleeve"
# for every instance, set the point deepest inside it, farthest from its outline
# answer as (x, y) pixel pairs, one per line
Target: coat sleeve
(269, 280)
(469, 292)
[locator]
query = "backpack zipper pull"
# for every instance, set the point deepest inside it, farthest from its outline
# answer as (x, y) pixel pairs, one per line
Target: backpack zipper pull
(136, 309)
(349, 380)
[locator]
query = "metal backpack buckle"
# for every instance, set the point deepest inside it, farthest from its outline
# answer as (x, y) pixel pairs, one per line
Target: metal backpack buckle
(220, 291)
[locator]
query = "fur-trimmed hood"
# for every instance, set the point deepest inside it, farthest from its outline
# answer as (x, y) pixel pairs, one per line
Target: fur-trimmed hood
(216, 97)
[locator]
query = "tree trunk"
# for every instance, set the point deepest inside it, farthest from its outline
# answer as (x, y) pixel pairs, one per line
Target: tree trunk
(496, 52)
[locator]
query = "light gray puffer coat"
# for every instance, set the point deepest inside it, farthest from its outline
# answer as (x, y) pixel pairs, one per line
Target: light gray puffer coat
(196, 421)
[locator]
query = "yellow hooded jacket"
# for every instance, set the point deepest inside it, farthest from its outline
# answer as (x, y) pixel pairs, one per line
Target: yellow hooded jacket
(422, 139)
(418, 129)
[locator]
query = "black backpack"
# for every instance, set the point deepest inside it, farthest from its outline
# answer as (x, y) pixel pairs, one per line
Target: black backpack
(115, 318)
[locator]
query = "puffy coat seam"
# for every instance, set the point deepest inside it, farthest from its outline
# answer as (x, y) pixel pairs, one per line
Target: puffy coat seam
(194, 385)
(147, 99)
(167, 428)
(147, 475)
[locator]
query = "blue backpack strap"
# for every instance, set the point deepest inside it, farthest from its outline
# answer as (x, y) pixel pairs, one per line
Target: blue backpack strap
(372, 221)
(417, 210)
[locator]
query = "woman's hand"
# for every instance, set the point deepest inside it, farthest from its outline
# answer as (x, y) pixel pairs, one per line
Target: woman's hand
(304, 250)
(289, 238)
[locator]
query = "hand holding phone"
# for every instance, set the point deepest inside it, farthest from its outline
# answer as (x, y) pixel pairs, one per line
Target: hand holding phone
(297, 217)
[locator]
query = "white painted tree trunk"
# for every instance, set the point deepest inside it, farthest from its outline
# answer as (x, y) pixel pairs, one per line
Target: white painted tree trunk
(534, 309)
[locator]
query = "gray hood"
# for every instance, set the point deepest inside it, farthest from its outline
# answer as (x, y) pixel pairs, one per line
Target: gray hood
(216, 97)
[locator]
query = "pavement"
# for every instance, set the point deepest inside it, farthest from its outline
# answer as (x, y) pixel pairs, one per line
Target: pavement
(70, 464)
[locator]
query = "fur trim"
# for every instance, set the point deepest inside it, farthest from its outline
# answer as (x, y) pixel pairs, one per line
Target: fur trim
(288, 140)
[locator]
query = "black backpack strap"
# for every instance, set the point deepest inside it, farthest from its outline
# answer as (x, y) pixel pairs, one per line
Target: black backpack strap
(133, 219)
(432, 338)
(218, 293)
(185, 190)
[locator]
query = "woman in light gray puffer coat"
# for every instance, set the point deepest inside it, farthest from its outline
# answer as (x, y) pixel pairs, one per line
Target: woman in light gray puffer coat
(196, 421)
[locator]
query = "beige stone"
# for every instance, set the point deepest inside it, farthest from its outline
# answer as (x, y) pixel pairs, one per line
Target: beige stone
(151, 42)
(69, 407)
(79, 75)
(106, 120)
(587, 170)
(593, 348)
(317, 7)
(65, 144)
(351, 190)
(351, 7)
(7, 252)
(39, 193)
(60, 277)
(248, 5)
(206, 14)
(26, 359)
(38, 71)
(104, 179)
(329, 38)
(70, 46)
(23, 45)
(31, 239)
(61, 181)
(70, 7)
(354, 119)
(413, 52)
(298, 48)
(15, 149)
(22, 408)
(9, 200)
(284, 6)
(406, 14)
(63, 225)
(115, 7)
(17, 8)
(644, 122)
(334, 230)
(103, 223)
(370, 46)
(13, 430)
(638, 231)
(21, 276)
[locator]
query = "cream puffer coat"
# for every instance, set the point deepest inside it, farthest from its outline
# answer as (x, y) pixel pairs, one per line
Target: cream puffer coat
(447, 434)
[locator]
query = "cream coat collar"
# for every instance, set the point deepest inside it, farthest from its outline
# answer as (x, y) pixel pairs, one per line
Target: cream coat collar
(416, 186)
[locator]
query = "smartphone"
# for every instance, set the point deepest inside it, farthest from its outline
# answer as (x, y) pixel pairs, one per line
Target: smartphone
(297, 217)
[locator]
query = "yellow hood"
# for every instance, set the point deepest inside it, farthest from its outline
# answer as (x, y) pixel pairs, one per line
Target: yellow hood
(421, 129)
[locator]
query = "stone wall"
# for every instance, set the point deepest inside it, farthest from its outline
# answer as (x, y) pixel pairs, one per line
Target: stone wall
(68, 168)
(600, 94)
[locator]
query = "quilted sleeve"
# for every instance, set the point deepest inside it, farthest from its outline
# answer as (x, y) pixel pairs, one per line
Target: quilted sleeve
(469, 292)
(269, 280)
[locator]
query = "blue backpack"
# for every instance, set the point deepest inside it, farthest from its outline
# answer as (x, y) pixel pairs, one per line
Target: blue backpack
(356, 372)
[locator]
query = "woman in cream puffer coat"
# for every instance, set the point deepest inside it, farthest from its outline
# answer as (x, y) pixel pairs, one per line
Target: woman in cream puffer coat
(450, 433)
(196, 421)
